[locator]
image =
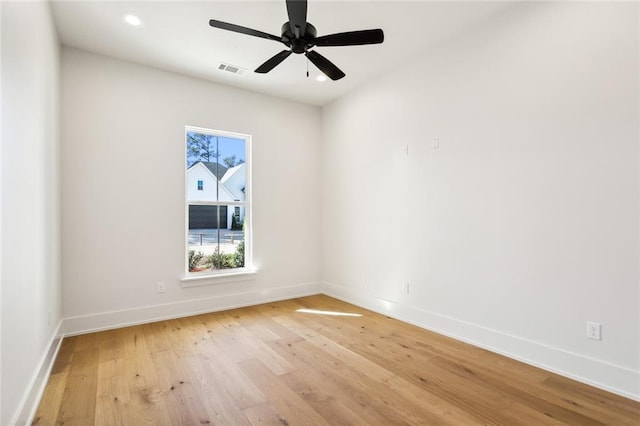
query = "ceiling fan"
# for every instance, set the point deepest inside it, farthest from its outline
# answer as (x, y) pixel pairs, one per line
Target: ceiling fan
(300, 37)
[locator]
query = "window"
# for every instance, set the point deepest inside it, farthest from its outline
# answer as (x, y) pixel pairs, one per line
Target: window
(218, 228)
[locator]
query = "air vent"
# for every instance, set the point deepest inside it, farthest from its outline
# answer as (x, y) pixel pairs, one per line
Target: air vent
(231, 68)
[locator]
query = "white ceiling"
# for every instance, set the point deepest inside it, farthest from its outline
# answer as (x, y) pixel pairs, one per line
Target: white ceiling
(176, 36)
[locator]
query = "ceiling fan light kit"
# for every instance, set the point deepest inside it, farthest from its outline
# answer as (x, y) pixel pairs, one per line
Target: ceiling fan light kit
(301, 37)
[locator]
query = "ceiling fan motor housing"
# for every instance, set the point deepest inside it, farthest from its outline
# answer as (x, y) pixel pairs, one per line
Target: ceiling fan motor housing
(301, 44)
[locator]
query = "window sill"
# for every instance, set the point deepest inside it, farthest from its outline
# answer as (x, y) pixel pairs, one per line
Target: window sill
(197, 280)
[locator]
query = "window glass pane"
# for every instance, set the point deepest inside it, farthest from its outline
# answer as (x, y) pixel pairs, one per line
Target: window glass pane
(216, 200)
(232, 157)
(215, 167)
(211, 245)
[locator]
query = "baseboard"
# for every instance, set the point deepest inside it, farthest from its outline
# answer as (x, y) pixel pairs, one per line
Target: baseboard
(146, 314)
(29, 402)
(612, 378)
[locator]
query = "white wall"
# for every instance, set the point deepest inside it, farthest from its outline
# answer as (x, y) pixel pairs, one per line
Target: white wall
(1, 199)
(523, 225)
(30, 202)
(122, 127)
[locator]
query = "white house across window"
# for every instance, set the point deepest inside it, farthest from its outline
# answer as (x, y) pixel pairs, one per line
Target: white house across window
(218, 207)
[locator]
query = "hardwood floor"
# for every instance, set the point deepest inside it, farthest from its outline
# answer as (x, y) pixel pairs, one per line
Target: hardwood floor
(273, 365)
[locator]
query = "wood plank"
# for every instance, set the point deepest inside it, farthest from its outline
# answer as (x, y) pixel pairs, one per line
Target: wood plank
(265, 415)
(79, 397)
(321, 395)
(145, 405)
(397, 394)
(223, 406)
(325, 375)
(290, 407)
(51, 400)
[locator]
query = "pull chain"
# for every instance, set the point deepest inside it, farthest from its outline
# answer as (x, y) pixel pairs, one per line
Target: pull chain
(307, 67)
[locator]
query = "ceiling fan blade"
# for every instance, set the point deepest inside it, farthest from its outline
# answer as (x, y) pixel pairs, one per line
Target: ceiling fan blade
(272, 62)
(243, 30)
(297, 11)
(351, 38)
(324, 65)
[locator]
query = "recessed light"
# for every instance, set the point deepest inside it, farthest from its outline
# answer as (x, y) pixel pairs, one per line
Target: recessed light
(321, 77)
(132, 20)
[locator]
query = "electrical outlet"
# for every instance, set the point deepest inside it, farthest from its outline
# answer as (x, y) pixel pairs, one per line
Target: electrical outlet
(407, 288)
(593, 330)
(160, 287)
(436, 143)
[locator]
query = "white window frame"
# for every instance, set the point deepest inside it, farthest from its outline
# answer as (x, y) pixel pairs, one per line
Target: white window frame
(192, 279)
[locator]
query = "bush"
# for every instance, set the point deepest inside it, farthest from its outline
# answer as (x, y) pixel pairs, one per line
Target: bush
(221, 260)
(238, 256)
(194, 260)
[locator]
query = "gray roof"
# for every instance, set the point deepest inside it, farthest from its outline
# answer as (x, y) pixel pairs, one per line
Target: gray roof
(217, 169)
